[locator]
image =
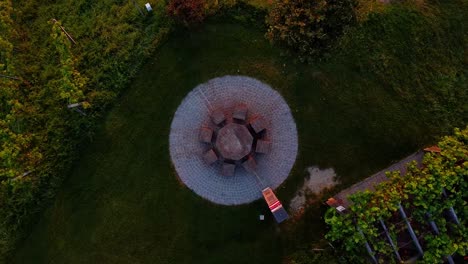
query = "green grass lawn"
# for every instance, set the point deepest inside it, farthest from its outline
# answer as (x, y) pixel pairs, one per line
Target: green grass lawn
(123, 202)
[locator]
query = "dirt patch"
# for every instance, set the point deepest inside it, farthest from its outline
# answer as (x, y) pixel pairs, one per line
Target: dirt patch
(317, 181)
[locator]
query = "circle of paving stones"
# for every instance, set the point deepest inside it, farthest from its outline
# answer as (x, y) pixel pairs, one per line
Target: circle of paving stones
(194, 112)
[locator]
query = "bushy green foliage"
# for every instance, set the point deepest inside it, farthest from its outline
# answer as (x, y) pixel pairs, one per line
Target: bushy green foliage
(187, 12)
(18, 152)
(71, 84)
(241, 13)
(39, 135)
(17, 144)
(421, 189)
(308, 27)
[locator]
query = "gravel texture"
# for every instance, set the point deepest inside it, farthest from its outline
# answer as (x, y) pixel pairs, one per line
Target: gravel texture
(224, 94)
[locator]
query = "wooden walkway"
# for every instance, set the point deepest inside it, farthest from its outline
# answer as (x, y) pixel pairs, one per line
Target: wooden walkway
(370, 182)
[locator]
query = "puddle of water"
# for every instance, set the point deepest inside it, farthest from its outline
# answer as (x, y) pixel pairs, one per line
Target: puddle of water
(317, 181)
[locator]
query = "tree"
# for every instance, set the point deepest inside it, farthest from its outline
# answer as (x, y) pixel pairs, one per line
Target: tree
(71, 82)
(17, 151)
(309, 26)
(188, 12)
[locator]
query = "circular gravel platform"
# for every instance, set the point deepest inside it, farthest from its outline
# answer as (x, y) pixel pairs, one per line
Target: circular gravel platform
(224, 94)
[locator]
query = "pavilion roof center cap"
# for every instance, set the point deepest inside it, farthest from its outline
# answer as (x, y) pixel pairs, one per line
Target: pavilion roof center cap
(234, 141)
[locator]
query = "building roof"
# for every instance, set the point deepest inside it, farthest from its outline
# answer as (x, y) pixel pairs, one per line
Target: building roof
(196, 110)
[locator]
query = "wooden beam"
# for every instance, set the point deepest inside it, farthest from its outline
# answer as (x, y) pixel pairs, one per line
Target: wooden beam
(411, 231)
(390, 240)
(10, 77)
(137, 7)
(368, 248)
(436, 231)
(64, 31)
(452, 213)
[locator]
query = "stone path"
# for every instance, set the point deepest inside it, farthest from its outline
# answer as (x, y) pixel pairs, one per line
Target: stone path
(370, 182)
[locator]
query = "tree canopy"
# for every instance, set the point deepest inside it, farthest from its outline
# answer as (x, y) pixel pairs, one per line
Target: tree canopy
(309, 27)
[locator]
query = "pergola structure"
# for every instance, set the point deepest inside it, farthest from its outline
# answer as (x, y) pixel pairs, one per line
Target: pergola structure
(235, 141)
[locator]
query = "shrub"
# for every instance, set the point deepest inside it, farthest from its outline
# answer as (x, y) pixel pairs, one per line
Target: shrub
(187, 12)
(39, 135)
(309, 26)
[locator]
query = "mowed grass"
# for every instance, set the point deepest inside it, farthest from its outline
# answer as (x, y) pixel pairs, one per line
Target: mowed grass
(123, 202)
